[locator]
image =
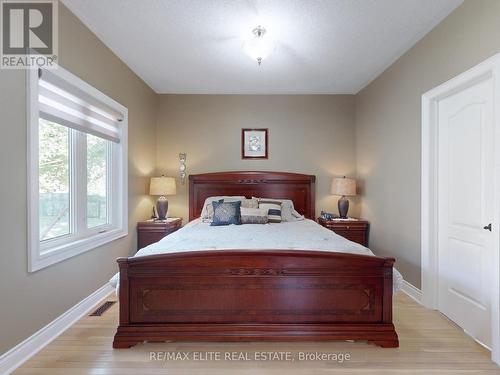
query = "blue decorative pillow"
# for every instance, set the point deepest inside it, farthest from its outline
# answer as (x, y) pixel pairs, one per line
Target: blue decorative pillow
(226, 213)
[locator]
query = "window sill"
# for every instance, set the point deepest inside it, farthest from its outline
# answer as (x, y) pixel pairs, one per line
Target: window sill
(66, 251)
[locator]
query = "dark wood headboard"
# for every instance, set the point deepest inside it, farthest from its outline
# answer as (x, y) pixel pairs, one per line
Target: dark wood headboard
(300, 188)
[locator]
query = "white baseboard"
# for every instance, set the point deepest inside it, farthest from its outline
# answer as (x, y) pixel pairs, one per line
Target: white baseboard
(412, 291)
(19, 354)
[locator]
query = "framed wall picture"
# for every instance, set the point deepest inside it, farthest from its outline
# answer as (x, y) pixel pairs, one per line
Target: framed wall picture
(254, 143)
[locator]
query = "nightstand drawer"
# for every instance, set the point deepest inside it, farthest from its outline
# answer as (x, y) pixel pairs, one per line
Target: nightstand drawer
(356, 231)
(352, 235)
(347, 227)
(148, 238)
(149, 232)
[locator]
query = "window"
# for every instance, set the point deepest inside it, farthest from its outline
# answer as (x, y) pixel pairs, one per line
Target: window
(53, 180)
(78, 167)
(97, 177)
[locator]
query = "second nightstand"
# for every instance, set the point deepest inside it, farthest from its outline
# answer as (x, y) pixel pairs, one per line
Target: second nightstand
(353, 230)
(149, 232)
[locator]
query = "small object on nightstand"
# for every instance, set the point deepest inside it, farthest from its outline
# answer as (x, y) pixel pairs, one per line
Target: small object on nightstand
(328, 216)
(355, 230)
(149, 232)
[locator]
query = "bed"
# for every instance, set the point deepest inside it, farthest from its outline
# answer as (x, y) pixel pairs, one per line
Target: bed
(288, 281)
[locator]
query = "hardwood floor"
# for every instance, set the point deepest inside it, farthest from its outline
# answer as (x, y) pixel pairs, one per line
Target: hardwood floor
(429, 344)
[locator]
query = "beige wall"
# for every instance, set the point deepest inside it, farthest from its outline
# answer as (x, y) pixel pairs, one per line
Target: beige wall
(31, 300)
(388, 122)
(311, 134)
(375, 134)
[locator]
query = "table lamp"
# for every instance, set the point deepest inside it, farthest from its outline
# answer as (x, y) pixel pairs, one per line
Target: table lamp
(162, 186)
(345, 187)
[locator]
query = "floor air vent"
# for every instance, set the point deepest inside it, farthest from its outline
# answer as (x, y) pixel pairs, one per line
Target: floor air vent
(102, 309)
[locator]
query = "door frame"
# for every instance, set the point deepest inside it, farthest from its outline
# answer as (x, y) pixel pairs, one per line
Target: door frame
(488, 69)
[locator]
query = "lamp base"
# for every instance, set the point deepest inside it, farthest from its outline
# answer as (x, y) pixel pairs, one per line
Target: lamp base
(343, 205)
(162, 208)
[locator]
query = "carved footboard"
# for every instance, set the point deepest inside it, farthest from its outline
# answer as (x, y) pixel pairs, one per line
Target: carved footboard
(245, 295)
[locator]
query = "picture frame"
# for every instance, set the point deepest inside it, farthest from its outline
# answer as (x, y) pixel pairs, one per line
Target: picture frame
(254, 143)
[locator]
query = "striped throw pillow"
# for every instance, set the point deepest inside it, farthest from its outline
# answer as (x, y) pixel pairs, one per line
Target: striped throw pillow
(288, 212)
(273, 211)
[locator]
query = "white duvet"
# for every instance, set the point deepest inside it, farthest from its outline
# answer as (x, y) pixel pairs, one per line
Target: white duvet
(298, 235)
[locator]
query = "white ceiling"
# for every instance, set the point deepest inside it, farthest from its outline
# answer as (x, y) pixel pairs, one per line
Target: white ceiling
(323, 46)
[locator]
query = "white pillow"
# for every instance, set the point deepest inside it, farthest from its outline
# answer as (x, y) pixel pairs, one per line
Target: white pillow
(288, 212)
(207, 213)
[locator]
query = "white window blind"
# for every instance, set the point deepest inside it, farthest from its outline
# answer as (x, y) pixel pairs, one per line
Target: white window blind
(61, 102)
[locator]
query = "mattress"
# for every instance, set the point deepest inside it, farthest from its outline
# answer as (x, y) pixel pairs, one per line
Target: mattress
(298, 235)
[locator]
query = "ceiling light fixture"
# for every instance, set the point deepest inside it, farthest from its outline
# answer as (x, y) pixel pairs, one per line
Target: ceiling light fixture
(259, 46)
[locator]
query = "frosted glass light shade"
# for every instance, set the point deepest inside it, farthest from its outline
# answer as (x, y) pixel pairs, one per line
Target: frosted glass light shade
(258, 48)
(343, 186)
(259, 45)
(162, 186)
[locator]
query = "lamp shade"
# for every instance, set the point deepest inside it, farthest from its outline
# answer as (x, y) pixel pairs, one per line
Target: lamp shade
(343, 186)
(162, 186)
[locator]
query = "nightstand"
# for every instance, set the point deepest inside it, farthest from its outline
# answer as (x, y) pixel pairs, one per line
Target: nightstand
(353, 230)
(149, 232)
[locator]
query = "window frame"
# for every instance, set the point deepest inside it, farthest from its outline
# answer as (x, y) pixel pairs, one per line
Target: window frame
(81, 239)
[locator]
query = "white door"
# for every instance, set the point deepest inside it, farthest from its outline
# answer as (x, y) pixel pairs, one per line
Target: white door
(465, 207)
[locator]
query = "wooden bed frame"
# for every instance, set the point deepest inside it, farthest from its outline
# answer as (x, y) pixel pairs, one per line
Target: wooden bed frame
(248, 295)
